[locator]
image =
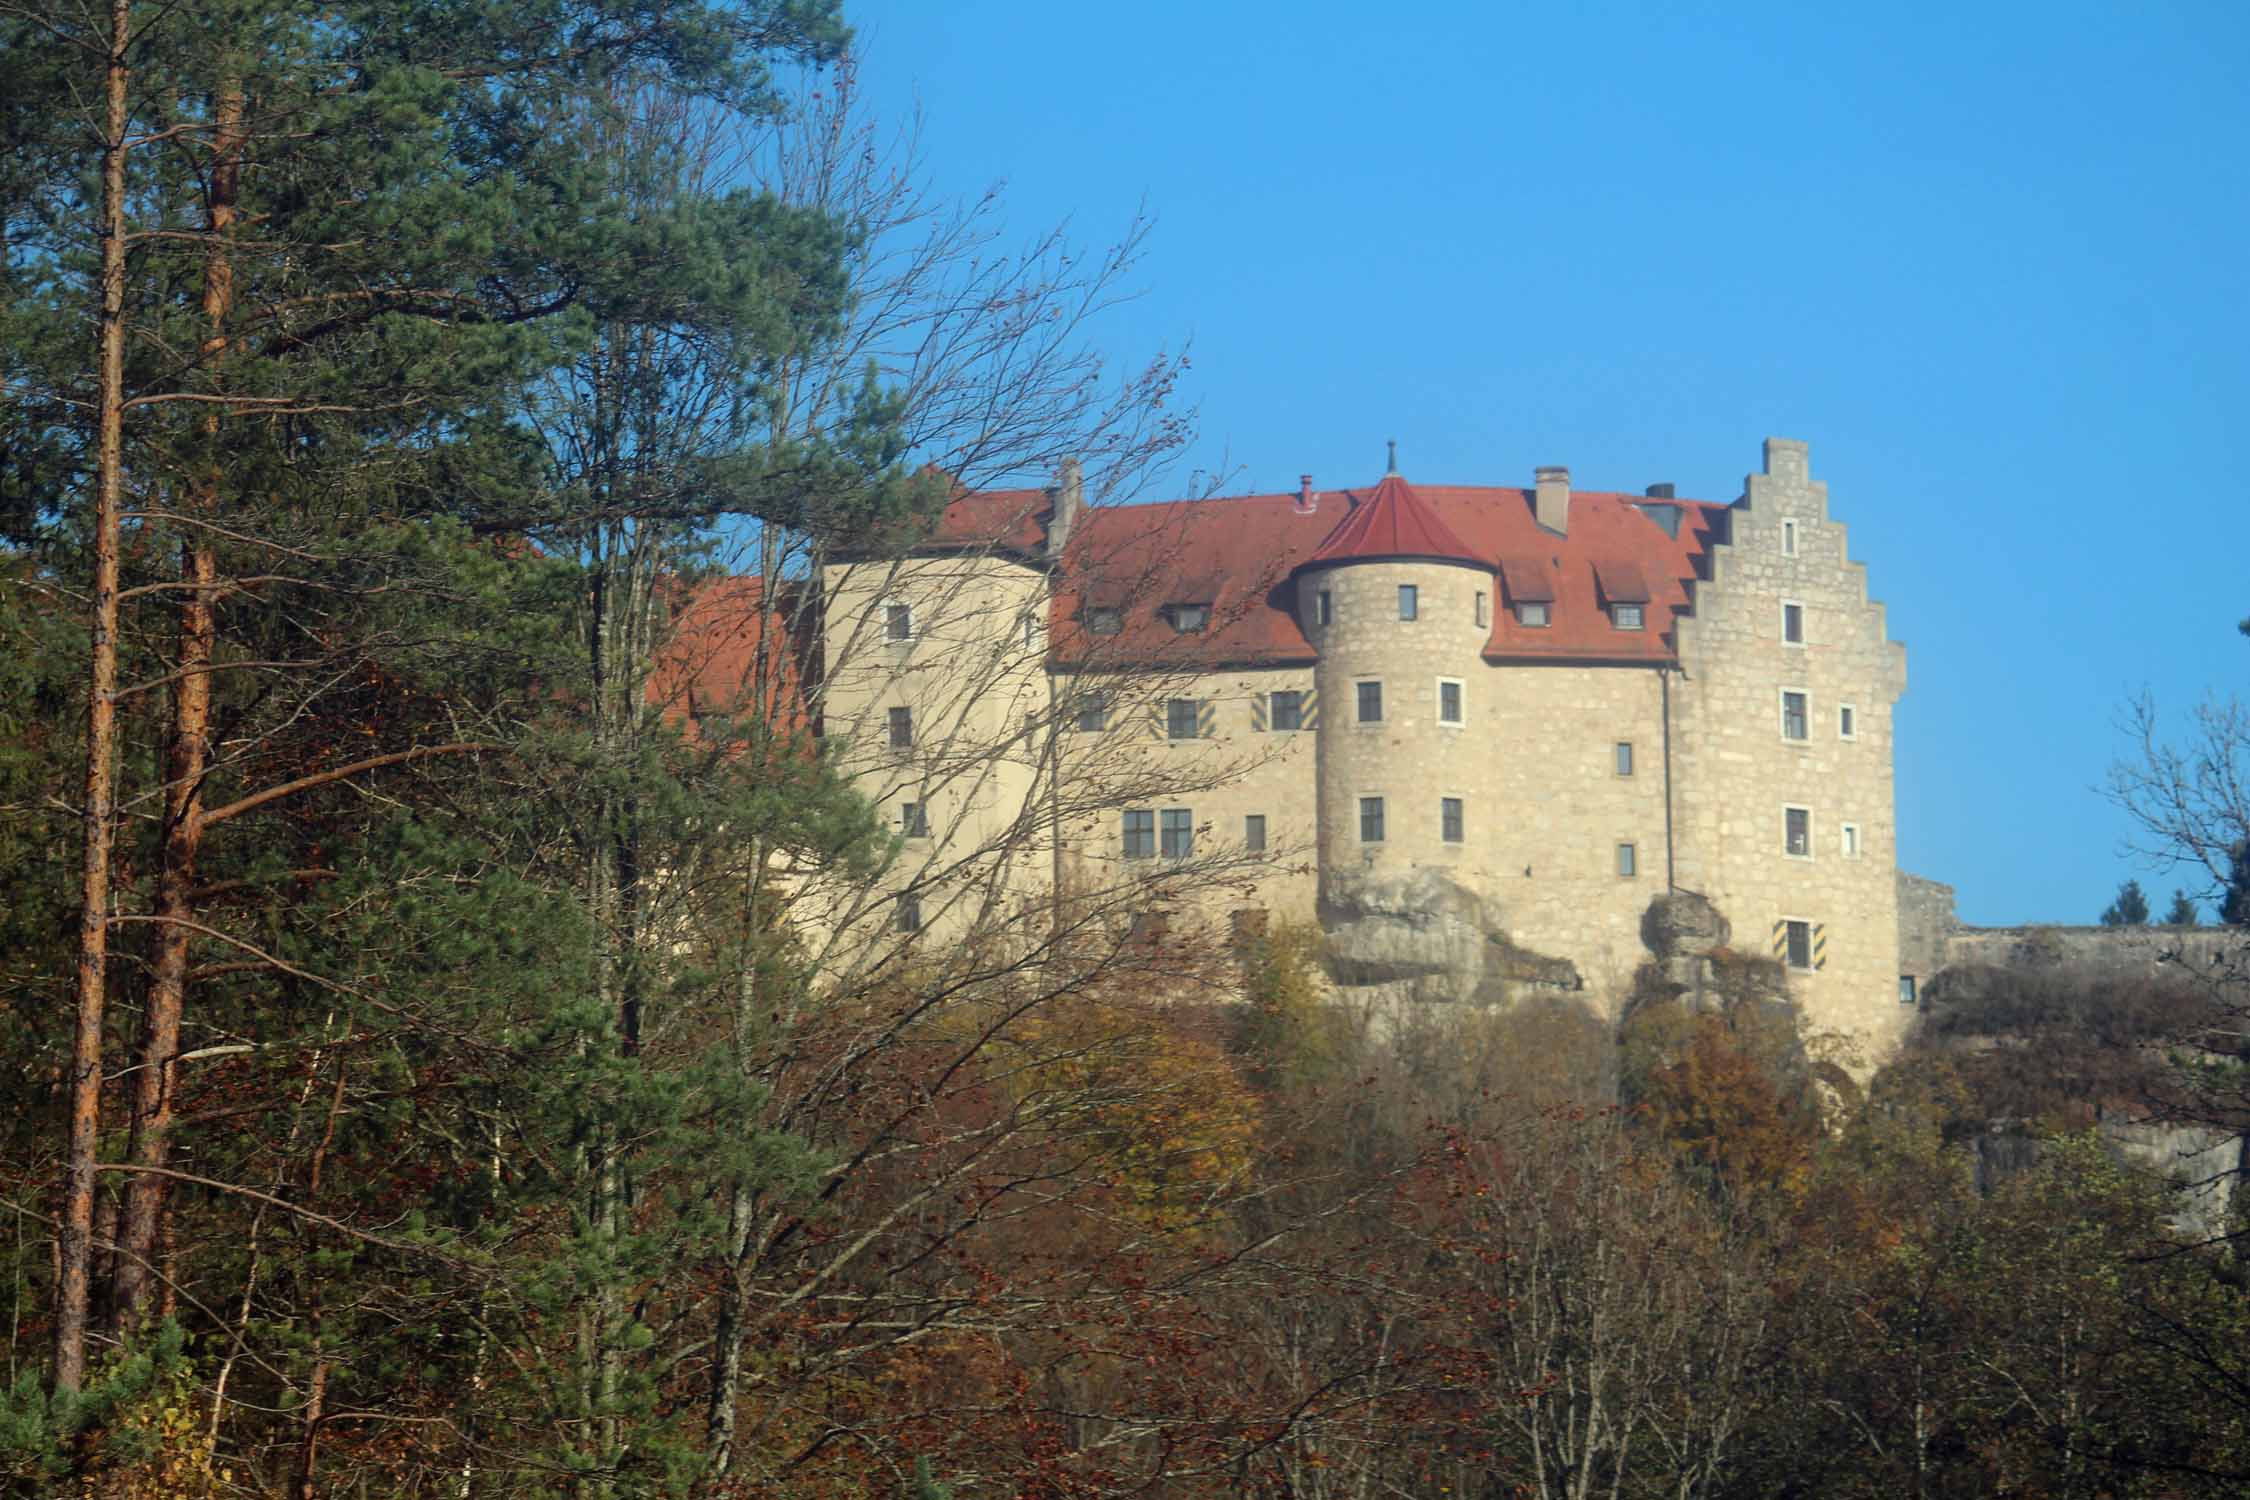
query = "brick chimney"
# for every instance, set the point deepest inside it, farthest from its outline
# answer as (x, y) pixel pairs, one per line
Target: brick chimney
(1552, 505)
(1305, 505)
(1069, 495)
(1659, 492)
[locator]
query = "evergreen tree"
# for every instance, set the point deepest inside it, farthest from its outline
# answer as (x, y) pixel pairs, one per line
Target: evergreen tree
(2234, 900)
(2182, 912)
(2130, 909)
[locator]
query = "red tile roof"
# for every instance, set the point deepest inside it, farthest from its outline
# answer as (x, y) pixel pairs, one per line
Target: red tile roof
(1394, 523)
(732, 654)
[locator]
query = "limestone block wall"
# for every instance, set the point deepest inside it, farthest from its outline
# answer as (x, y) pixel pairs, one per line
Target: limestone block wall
(1737, 770)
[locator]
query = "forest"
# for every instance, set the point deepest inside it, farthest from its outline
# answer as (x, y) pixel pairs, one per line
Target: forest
(420, 1081)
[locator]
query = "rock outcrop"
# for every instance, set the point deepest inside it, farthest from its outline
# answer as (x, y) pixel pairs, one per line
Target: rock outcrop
(1425, 938)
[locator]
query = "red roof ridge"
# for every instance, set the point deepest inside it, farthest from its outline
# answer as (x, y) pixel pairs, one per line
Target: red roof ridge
(1394, 522)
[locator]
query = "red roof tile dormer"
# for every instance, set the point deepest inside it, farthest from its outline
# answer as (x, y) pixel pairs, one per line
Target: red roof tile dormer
(1394, 523)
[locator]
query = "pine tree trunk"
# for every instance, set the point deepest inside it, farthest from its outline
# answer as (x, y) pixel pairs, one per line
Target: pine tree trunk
(74, 1232)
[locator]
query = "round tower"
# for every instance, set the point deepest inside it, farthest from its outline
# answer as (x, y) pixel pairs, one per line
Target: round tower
(1399, 609)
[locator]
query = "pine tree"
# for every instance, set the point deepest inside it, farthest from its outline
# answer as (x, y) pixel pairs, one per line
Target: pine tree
(2182, 912)
(2234, 900)
(2130, 909)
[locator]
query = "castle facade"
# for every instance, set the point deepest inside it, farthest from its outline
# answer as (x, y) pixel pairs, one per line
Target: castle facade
(1562, 702)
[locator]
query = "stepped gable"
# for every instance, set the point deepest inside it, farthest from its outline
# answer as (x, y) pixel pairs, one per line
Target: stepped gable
(1394, 523)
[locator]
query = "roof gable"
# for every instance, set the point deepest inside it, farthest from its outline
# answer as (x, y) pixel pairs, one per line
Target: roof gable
(1394, 522)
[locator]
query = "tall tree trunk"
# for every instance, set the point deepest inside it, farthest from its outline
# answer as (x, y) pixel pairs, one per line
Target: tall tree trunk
(74, 1232)
(186, 760)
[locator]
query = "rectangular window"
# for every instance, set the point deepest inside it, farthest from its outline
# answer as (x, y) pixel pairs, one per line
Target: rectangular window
(1906, 989)
(1286, 710)
(1532, 613)
(1788, 538)
(1448, 701)
(914, 819)
(1797, 944)
(1140, 833)
(1624, 757)
(1093, 712)
(902, 728)
(1371, 820)
(1847, 722)
(1189, 619)
(907, 915)
(1851, 841)
(1370, 703)
(1628, 861)
(1178, 833)
(1450, 819)
(1796, 832)
(1793, 716)
(1030, 631)
(1793, 624)
(1324, 608)
(1484, 611)
(898, 622)
(1183, 718)
(1625, 616)
(1104, 621)
(1409, 602)
(1254, 833)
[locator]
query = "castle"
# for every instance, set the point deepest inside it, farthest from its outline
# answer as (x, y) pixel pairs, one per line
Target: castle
(1555, 704)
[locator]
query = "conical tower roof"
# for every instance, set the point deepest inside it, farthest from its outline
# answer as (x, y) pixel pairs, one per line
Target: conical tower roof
(1393, 522)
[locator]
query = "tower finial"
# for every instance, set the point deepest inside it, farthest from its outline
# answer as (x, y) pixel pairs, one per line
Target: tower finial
(1393, 445)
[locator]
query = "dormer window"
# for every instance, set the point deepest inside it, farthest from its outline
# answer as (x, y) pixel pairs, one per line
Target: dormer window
(1104, 621)
(1625, 616)
(1189, 619)
(1532, 613)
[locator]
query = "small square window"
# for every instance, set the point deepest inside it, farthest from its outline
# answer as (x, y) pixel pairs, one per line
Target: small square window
(1190, 619)
(1183, 718)
(1628, 861)
(1448, 701)
(1286, 710)
(1371, 820)
(907, 915)
(1254, 833)
(1788, 538)
(1484, 610)
(914, 819)
(1797, 944)
(1851, 840)
(1140, 833)
(1796, 835)
(1093, 712)
(1532, 613)
(898, 622)
(1450, 819)
(1906, 994)
(1793, 716)
(1324, 608)
(1624, 757)
(1409, 602)
(1625, 616)
(1370, 702)
(1177, 832)
(1104, 621)
(902, 728)
(1847, 722)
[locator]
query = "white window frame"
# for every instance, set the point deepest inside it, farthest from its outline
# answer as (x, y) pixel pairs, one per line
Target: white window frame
(1179, 616)
(1847, 721)
(1442, 721)
(1546, 614)
(1786, 606)
(883, 607)
(1126, 831)
(1617, 613)
(1812, 938)
(1171, 820)
(1625, 860)
(1621, 760)
(1381, 707)
(1032, 629)
(1297, 728)
(1788, 536)
(1461, 801)
(1781, 715)
(1484, 611)
(1849, 841)
(1909, 993)
(1786, 852)
(1094, 705)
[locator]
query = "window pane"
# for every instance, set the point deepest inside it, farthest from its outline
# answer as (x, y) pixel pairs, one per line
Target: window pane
(898, 622)
(1906, 989)
(1532, 614)
(914, 817)
(1370, 703)
(1371, 820)
(1628, 860)
(1178, 833)
(1409, 601)
(1140, 833)
(1287, 711)
(1483, 616)
(1326, 611)
(909, 914)
(1625, 616)
(1797, 837)
(1449, 703)
(1104, 621)
(1254, 832)
(902, 728)
(1181, 718)
(1845, 727)
(1093, 711)
(1799, 945)
(1793, 623)
(1450, 819)
(1793, 716)
(1624, 757)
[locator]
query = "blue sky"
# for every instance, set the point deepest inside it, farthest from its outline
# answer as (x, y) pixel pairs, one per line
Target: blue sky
(1987, 259)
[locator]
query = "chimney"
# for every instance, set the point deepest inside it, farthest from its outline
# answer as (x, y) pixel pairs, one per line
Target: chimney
(1553, 504)
(1659, 492)
(1069, 494)
(1305, 505)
